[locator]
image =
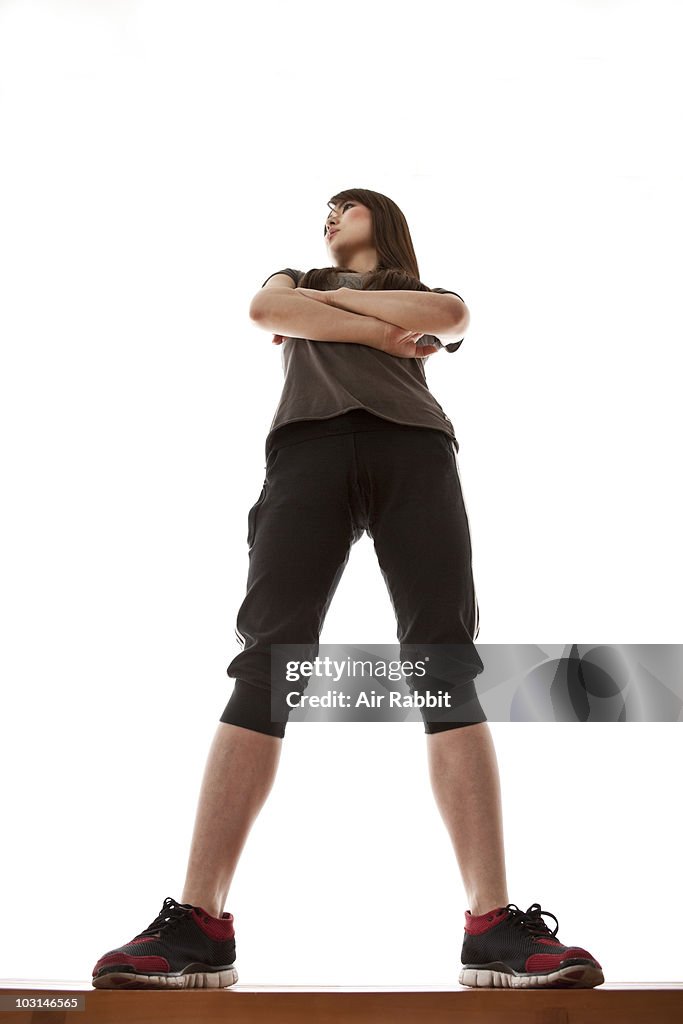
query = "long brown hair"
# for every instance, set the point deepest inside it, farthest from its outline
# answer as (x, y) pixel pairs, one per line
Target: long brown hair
(397, 267)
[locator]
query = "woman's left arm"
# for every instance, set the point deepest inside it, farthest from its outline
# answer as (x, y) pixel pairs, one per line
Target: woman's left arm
(445, 316)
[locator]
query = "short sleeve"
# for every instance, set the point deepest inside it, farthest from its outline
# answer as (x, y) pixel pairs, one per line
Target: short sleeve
(295, 275)
(447, 291)
(454, 345)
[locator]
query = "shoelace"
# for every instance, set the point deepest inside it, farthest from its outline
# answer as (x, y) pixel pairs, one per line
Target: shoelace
(531, 919)
(171, 914)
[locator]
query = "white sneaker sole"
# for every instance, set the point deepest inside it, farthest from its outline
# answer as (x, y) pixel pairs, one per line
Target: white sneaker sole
(571, 976)
(207, 979)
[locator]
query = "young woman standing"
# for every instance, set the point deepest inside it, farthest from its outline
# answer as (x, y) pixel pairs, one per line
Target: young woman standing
(357, 444)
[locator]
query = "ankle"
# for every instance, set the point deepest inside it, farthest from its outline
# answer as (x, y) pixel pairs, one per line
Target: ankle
(210, 906)
(479, 908)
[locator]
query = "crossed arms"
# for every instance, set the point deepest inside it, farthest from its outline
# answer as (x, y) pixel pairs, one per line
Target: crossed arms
(354, 315)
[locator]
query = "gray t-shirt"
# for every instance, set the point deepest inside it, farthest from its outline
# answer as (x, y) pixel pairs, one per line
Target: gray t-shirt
(327, 378)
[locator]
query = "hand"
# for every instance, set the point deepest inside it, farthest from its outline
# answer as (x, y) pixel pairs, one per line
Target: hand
(397, 341)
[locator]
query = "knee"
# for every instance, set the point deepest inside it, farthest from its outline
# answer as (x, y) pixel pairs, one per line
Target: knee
(250, 707)
(461, 707)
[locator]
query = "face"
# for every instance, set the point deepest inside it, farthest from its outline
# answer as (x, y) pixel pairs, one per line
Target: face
(351, 223)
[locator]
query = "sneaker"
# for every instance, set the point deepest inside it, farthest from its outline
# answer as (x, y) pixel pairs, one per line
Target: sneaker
(183, 947)
(507, 948)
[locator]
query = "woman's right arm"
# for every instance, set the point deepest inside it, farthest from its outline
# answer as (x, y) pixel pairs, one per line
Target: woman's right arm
(279, 310)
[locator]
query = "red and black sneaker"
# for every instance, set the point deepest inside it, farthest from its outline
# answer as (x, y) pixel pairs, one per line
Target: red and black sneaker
(183, 947)
(507, 948)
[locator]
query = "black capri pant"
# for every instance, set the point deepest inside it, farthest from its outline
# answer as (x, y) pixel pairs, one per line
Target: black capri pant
(398, 483)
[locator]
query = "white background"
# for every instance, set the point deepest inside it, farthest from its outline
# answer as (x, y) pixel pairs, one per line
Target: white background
(158, 161)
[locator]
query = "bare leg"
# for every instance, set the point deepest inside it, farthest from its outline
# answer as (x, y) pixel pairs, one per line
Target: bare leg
(239, 774)
(464, 774)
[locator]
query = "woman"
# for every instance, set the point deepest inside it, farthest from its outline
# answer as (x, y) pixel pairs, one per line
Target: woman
(358, 443)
